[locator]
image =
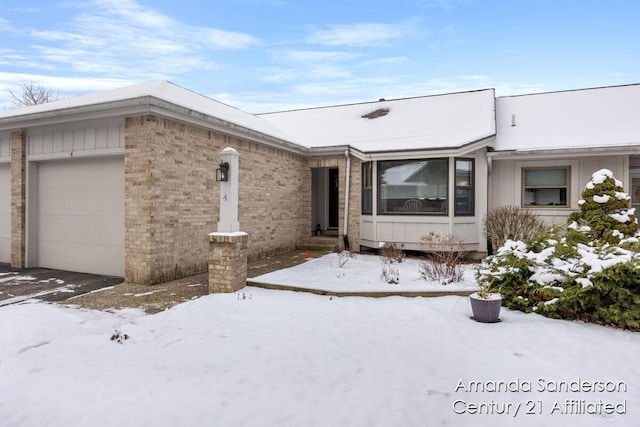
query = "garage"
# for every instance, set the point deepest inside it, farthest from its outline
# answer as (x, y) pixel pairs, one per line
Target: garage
(5, 212)
(80, 215)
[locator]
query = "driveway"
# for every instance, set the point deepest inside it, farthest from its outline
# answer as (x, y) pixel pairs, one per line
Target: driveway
(47, 285)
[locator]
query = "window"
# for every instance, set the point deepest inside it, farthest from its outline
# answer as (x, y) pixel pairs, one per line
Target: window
(413, 187)
(464, 187)
(367, 188)
(545, 186)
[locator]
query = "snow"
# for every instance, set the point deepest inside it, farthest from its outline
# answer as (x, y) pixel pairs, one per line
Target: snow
(361, 274)
(159, 89)
(439, 121)
(622, 195)
(569, 120)
(622, 217)
(601, 199)
(228, 234)
(278, 358)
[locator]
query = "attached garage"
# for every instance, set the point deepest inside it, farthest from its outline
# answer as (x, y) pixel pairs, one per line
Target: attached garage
(5, 212)
(79, 218)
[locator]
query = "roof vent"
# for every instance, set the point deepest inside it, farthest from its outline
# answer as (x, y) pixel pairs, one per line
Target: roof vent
(377, 113)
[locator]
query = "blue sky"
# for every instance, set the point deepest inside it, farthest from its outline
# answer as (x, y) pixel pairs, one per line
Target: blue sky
(270, 55)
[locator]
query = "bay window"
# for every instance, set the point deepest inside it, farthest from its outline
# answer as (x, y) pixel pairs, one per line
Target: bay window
(413, 187)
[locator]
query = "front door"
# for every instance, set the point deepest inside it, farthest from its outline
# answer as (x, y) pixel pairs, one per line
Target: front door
(334, 199)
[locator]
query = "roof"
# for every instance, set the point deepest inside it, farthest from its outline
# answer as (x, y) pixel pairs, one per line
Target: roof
(582, 119)
(161, 95)
(430, 122)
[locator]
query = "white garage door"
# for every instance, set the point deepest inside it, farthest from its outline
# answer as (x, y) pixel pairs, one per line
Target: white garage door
(80, 219)
(5, 212)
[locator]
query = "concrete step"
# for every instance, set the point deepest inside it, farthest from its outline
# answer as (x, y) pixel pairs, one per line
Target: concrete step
(322, 243)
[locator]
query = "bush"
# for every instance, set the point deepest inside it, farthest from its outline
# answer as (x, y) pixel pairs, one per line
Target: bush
(604, 214)
(391, 256)
(391, 253)
(444, 259)
(510, 223)
(589, 273)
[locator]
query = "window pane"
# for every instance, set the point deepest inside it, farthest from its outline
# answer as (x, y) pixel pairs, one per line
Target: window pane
(464, 174)
(413, 186)
(367, 190)
(545, 177)
(545, 197)
(464, 201)
(367, 201)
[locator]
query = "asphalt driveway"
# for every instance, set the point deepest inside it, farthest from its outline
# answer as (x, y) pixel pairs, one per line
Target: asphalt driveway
(48, 285)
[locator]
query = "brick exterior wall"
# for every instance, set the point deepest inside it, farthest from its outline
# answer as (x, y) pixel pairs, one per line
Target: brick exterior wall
(18, 199)
(172, 198)
(275, 198)
(355, 197)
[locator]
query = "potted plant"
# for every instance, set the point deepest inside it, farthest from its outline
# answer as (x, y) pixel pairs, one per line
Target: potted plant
(485, 304)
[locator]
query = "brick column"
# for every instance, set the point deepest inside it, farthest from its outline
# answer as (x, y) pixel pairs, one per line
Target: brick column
(227, 262)
(18, 199)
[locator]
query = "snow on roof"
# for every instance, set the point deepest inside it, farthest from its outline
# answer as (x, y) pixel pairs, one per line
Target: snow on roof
(428, 122)
(578, 119)
(159, 89)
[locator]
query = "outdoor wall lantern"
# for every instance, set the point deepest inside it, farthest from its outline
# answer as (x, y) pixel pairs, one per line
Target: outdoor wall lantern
(222, 173)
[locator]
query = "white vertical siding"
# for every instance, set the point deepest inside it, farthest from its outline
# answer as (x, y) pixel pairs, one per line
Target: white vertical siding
(5, 146)
(90, 137)
(506, 180)
(5, 212)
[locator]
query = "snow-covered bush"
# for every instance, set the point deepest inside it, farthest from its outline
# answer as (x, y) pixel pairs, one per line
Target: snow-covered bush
(604, 214)
(590, 272)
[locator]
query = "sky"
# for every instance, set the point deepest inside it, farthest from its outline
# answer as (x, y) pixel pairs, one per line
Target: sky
(274, 55)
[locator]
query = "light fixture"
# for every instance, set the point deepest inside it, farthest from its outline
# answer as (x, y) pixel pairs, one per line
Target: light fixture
(222, 173)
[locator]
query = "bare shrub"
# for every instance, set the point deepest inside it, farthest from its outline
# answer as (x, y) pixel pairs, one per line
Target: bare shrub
(391, 257)
(345, 256)
(390, 273)
(444, 259)
(390, 252)
(510, 223)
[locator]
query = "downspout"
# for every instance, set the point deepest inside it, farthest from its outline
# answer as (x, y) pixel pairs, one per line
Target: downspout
(489, 193)
(345, 227)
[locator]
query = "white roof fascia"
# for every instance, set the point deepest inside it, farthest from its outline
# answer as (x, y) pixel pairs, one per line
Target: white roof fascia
(567, 152)
(430, 153)
(328, 151)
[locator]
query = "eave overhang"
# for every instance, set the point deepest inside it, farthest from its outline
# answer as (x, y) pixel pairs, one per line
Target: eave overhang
(567, 152)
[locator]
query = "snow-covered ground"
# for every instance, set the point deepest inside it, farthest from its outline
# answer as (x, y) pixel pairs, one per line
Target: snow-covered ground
(275, 358)
(361, 274)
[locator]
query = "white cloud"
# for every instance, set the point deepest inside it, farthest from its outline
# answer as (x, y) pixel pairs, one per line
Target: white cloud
(361, 34)
(123, 38)
(307, 56)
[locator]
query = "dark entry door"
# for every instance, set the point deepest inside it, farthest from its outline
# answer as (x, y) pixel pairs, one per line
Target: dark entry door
(333, 198)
